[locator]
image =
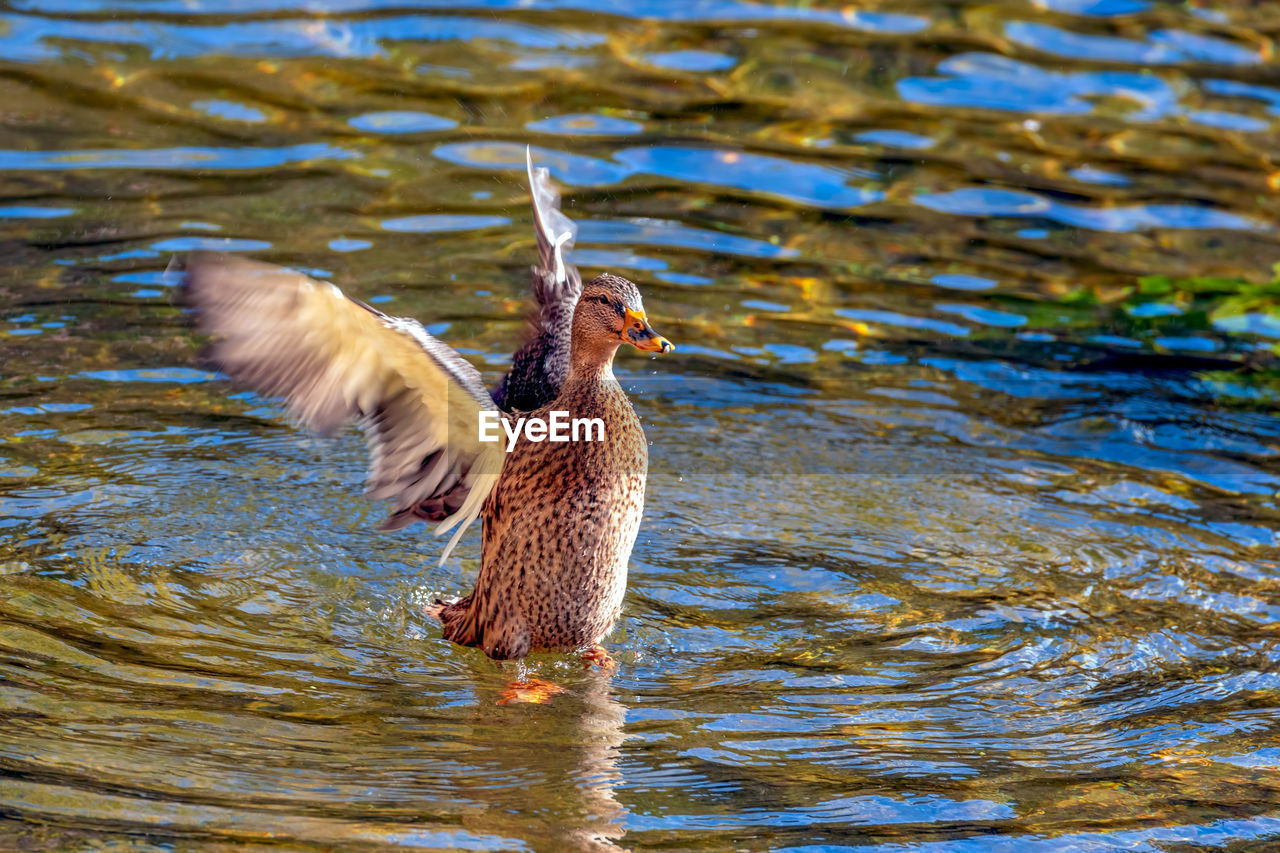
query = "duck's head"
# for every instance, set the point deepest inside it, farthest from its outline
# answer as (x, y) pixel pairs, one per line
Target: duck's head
(610, 313)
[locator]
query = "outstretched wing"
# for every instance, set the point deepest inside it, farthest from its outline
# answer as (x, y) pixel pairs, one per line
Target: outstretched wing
(335, 360)
(541, 366)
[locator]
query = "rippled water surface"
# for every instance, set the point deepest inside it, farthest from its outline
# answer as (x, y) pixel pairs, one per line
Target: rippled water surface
(955, 539)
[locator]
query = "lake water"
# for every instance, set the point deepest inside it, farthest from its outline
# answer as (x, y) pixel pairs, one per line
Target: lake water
(955, 540)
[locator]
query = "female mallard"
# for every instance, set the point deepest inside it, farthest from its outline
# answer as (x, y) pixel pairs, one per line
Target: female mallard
(559, 518)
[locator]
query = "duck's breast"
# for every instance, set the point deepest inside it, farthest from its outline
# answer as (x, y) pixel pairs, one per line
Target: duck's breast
(563, 520)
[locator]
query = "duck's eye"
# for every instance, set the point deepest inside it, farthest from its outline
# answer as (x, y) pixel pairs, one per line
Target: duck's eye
(603, 300)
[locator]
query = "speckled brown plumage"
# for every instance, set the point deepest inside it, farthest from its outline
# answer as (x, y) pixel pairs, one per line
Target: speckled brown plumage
(558, 530)
(559, 518)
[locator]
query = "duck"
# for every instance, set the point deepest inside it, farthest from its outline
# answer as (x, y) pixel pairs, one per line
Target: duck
(558, 518)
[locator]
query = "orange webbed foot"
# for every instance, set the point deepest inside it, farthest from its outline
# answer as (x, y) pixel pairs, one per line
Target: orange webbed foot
(598, 656)
(533, 691)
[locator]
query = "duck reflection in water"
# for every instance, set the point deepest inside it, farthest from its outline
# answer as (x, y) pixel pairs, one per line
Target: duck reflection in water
(571, 746)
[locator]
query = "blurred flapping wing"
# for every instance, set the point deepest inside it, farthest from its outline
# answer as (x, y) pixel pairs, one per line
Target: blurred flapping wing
(335, 360)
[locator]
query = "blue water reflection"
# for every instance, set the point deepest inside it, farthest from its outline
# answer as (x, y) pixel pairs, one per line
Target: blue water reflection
(962, 281)
(854, 811)
(1254, 323)
(895, 139)
(684, 278)
(812, 184)
(985, 201)
(691, 60)
(1162, 47)
(1099, 8)
(247, 157)
(982, 315)
(1228, 120)
(33, 212)
(178, 375)
(658, 232)
(436, 223)
(1236, 89)
(1092, 175)
(571, 169)
(1264, 829)
(990, 81)
(708, 10)
(608, 259)
(25, 38)
(893, 318)
(401, 121)
(230, 110)
(586, 123)
(346, 244)
(212, 244)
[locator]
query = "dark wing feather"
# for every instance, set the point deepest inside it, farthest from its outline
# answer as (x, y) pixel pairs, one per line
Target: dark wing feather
(541, 366)
(335, 360)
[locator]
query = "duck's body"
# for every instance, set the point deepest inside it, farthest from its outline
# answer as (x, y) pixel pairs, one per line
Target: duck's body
(558, 531)
(559, 518)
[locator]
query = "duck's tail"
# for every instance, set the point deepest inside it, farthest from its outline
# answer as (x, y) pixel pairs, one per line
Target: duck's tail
(448, 612)
(542, 364)
(458, 619)
(466, 625)
(556, 282)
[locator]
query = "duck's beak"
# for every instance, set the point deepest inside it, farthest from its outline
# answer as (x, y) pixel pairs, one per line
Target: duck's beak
(637, 332)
